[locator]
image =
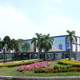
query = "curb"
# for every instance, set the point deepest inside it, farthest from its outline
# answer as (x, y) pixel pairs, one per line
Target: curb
(41, 78)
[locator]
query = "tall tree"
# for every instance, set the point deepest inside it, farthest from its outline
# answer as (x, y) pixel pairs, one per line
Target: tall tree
(72, 38)
(37, 42)
(43, 42)
(34, 43)
(10, 44)
(6, 41)
(14, 45)
(47, 42)
(1, 45)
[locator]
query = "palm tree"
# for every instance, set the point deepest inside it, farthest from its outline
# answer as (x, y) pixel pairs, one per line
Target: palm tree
(46, 45)
(37, 41)
(46, 42)
(72, 38)
(42, 42)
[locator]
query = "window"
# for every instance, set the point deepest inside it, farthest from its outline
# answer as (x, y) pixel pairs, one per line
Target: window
(60, 46)
(74, 47)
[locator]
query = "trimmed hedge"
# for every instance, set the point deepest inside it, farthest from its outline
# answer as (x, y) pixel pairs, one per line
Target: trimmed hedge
(61, 66)
(18, 63)
(70, 62)
(57, 66)
(44, 70)
(57, 69)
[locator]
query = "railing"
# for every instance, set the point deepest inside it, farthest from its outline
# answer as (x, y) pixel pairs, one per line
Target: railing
(34, 55)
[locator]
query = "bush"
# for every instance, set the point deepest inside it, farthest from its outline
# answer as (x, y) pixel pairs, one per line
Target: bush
(70, 62)
(75, 69)
(17, 63)
(62, 68)
(55, 69)
(58, 68)
(44, 70)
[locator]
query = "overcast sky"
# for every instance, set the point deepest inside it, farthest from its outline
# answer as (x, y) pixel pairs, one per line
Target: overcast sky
(23, 18)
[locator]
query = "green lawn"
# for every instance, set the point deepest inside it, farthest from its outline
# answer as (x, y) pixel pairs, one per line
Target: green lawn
(12, 72)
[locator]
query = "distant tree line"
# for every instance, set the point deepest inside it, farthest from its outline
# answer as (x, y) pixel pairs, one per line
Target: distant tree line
(13, 45)
(9, 44)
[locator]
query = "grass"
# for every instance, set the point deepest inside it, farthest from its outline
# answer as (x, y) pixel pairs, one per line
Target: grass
(11, 71)
(5, 71)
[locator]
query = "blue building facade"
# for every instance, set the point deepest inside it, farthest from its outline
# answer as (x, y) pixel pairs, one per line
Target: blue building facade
(60, 43)
(60, 46)
(60, 49)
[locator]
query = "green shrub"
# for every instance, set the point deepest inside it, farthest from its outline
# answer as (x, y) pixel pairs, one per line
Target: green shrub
(58, 68)
(70, 62)
(75, 69)
(55, 69)
(17, 63)
(44, 70)
(62, 66)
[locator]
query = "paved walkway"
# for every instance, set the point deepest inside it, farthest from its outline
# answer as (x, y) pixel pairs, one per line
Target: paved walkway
(40, 78)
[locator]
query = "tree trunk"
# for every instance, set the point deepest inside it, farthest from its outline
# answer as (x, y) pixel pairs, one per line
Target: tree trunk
(45, 55)
(35, 47)
(70, 52)
(76, 51)
(4, 56)
(30, 56)
(39, 51)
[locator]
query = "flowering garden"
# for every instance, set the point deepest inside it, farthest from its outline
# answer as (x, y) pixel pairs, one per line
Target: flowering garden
(40, 68)
(51, 67)
(33, 66)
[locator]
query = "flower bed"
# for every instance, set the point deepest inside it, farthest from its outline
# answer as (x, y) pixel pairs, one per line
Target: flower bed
(45, 67)
(55, 69)
(31, 67)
